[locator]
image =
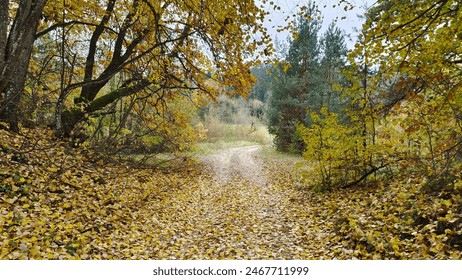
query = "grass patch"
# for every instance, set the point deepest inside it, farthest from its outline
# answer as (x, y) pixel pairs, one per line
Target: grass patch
(225, 132)
(269, 152)
(294, 163)
(205, 148)
(222, 135)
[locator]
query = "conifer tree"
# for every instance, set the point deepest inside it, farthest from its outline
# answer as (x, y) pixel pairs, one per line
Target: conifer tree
(297, 89)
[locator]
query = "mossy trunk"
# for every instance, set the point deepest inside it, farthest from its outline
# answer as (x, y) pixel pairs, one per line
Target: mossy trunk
(70, 118)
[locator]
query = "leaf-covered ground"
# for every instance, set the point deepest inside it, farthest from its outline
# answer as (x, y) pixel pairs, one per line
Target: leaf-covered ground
(58, 202)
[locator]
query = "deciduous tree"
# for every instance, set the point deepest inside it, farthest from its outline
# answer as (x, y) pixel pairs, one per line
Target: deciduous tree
(154, 47)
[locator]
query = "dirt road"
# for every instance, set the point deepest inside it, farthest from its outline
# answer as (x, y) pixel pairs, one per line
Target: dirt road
(239, 215)
(237, 163)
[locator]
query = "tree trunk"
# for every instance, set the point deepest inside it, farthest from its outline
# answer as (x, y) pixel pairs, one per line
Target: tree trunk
(15, 51)
(68, 121)
(71, 118)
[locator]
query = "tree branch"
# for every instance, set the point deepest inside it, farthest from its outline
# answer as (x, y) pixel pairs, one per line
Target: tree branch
(374, 169)
(65, 24)
(106, 99)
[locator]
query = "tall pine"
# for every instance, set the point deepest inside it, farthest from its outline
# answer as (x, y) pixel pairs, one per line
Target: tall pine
(333, 59)
(297, 90)
(311, 82)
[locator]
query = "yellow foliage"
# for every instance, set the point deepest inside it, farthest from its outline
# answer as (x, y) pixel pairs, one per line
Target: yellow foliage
(339, 154)
(405, 117)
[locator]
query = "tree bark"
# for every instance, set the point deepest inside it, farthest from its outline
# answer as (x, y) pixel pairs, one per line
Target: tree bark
(90, 61)
(4, 11)
(15, 50)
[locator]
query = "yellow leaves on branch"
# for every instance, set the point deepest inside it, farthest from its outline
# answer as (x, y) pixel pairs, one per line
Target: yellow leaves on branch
(188, 39)
(423, 35)
(416, 47)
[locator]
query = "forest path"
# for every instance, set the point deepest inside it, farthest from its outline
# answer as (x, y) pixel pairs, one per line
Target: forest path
(237, 163)
(237, 214)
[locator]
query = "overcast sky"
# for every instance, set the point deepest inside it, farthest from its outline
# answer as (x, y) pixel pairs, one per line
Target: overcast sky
(329, 13)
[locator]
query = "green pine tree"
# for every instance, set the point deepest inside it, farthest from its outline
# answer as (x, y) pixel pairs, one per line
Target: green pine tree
(297, 90)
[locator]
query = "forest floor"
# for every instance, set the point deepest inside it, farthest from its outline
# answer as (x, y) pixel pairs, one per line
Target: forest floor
(253, 218)
(58, 202)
